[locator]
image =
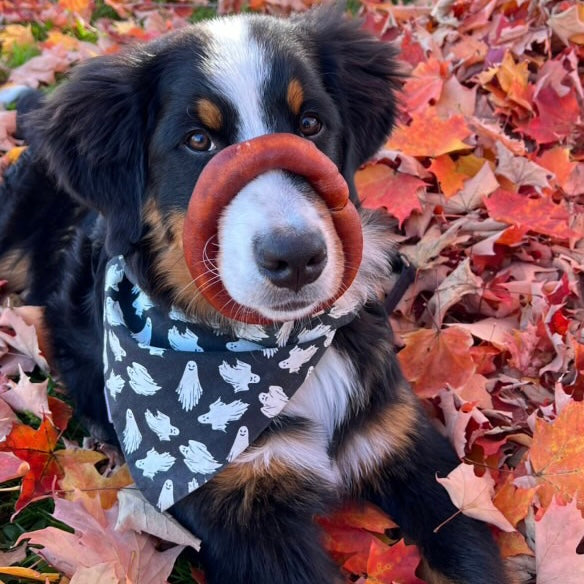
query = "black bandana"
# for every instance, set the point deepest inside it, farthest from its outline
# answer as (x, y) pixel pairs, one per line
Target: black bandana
(185, 399)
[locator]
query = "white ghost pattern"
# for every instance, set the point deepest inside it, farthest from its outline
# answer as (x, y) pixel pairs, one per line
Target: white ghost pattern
(192, 485)
(240, 443)
(155, 351)
(155, 462)
(297, 358)
(142, 303)
(273, 401)
(113, 312)
(242, 345)
(220, 414)
(189, 388)
(145, 335)
(329, 338)
(239, 376)
(198, 459)
(166, 498)
(114, 275)
(187, 341)
(132, 435)
(104, 353)
(115, 346)
(177, 314)
(115, 383)
(307, 335)
(251, 332)
(160, 425)
(140, 380)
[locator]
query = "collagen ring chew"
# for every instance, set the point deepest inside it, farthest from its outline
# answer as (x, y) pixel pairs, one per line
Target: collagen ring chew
(233, 168)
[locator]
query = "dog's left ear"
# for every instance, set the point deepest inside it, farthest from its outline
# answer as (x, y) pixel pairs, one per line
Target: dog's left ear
(361, 75)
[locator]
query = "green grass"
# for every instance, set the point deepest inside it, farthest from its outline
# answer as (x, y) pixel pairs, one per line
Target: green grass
(20, 54)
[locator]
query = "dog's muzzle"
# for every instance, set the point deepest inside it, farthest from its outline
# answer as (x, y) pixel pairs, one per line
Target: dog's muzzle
(224, 177)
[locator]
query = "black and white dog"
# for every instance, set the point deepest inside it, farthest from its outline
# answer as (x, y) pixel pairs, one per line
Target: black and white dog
(114, 155)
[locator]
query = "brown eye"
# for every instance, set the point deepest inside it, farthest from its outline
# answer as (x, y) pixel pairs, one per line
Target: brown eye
(310, 125)
(199, 141)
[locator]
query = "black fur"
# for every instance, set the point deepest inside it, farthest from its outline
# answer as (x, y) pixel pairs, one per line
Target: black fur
(110, 141)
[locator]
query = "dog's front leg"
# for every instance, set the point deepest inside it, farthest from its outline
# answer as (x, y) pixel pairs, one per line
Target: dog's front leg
(393, 459)
(255, 518)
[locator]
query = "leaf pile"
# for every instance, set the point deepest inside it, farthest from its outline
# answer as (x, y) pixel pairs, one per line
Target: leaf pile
(485, 175)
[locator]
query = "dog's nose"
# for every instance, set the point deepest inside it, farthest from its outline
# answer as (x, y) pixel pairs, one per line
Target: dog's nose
(291, 259)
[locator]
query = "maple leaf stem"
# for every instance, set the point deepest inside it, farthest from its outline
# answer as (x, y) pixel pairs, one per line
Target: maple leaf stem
(447, 520)
(10, 489)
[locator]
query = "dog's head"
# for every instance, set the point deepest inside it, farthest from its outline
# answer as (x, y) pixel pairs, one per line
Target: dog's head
(130, 134)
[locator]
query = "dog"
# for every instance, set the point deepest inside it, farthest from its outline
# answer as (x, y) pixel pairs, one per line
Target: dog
(112, 161)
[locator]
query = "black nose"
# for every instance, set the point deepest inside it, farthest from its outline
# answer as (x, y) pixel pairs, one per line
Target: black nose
(291, 259)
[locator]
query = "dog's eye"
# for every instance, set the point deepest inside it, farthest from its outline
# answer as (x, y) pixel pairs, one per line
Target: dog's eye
(310, 125)
(199, 141)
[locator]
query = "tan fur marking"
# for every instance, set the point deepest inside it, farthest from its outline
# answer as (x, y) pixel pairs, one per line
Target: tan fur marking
(165, 242)
(14, 268)
(210, 114)
(251, 485)
(385, 436)
(295, 96)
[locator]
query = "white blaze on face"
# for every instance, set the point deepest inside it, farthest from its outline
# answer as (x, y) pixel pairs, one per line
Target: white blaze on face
(239, 67)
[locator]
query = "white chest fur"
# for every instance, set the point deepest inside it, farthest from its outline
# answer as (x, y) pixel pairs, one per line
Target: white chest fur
(325, 396)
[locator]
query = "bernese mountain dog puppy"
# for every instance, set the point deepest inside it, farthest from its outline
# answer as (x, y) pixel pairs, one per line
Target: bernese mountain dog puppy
(113, 158)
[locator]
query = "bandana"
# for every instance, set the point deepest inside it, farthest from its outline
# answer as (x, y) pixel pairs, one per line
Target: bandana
(186, 399)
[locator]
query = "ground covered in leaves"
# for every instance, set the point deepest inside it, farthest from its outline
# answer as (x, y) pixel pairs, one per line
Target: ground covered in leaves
(485, 174)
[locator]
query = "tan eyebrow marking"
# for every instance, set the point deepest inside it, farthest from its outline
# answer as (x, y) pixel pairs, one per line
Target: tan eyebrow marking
(295, 96)
(210, 114)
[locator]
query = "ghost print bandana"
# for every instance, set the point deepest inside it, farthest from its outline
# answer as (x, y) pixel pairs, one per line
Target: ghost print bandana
(185, 400)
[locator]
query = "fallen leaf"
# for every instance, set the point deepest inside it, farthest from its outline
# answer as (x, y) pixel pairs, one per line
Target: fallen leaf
(24, 340)
(457, 284)
(46, 463)
(540, 215)
(430, 135)
(557, 455)
(137, 514)
(473, 495)
(26, 396)
(11, 467)
(569, 24)
(558, 535)
(85, 477)
(396, 563)
(130, 556)
(378, 185)
(433, 360)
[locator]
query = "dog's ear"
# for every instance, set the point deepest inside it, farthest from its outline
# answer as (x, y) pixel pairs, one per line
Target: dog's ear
(361, 74)
(91, 135)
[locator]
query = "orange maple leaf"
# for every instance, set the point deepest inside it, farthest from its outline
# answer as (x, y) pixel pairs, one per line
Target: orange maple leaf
(378, 185)
(430, 135)
(85, 477)
(557, 456)
(540, 215)
(46, 464)
(432, 360)
(396, 563)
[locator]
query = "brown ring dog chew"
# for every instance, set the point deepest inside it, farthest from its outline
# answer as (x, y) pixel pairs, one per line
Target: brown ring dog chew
(222, 179)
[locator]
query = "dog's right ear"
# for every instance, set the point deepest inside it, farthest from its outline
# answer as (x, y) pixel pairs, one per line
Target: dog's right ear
(91, 133)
